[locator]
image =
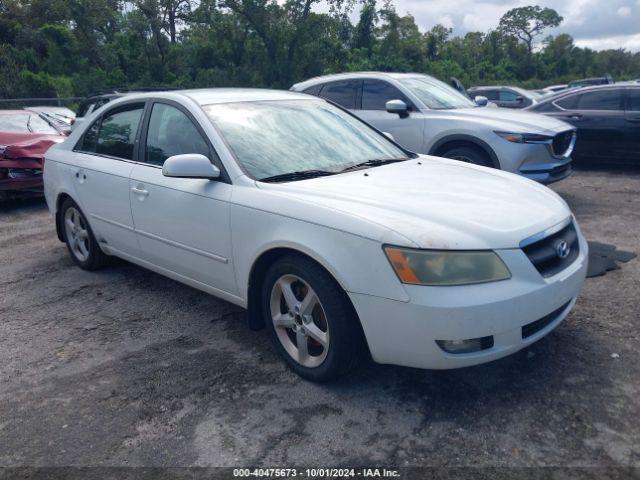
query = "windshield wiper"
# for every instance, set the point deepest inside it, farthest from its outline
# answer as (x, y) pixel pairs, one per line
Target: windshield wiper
(292, 176)
(373, 163)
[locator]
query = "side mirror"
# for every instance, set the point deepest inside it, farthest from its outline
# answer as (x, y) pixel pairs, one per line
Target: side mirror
(481, 101)
(190, 165)
(389, 136)
(398, 107)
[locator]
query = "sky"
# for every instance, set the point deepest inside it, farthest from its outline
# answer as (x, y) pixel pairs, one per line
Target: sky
(597, 24)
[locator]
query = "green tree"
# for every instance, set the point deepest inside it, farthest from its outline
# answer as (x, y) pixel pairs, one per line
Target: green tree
(527, 23)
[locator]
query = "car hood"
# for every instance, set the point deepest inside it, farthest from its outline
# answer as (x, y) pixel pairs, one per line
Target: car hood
(26, 145)
(513, 121)
(436, 203)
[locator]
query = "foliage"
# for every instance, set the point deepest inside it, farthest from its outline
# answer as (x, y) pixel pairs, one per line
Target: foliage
(73, 47)
(526, 23)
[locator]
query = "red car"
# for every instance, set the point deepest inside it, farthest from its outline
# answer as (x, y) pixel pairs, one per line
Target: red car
(24, 138)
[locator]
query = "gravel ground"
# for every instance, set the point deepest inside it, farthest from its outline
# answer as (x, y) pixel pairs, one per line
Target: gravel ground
(123, 367)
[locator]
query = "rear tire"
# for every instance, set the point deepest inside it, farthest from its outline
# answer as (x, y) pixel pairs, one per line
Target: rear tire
(311, 321)
(79, 238)
(468, 154)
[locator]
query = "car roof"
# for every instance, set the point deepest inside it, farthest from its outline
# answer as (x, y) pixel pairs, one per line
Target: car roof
(208, 96)
(15, 112)
(47, 108)
(355, 75)
(588, 79)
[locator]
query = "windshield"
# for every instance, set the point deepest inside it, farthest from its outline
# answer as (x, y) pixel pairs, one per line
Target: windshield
(25, 123)
(278, 137)
(435, 94)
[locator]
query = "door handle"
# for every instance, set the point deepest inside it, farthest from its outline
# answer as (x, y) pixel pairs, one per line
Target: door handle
(140, 191)
(635, 119)
(575, 117)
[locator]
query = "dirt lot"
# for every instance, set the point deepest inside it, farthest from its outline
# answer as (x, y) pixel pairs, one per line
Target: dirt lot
(125, 367)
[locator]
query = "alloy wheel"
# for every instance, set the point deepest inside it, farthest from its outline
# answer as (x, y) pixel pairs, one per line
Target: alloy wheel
(300, 321)
(77, 233)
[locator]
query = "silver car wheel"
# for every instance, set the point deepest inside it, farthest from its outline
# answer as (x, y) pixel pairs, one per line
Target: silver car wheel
(76, 233)
(299, 320)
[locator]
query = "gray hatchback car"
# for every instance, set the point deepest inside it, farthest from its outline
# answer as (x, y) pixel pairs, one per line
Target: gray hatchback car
(427, 116)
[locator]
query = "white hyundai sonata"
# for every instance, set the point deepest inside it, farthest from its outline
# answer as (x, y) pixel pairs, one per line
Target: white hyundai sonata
(331, 235)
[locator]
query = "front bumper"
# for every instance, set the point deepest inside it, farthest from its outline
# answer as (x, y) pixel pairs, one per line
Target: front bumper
(547, 173)
(536, 161)
(405, 333)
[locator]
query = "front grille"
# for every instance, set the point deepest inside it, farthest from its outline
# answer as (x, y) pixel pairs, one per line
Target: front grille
(534, 327)
(561, 143)
(547, 254)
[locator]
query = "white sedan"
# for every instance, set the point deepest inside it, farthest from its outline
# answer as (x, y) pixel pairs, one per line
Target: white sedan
(331, 235)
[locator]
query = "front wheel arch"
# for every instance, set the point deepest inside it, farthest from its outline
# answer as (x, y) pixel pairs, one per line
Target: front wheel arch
(453, 141)
(256, 277)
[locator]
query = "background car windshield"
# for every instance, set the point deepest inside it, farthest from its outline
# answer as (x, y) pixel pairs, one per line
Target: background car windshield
(25, 123)
(435, 94)
(278, 137)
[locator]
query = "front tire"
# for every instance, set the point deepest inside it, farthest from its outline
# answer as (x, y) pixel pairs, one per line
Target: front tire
(468, 154)
(311, 320)
(81, 243)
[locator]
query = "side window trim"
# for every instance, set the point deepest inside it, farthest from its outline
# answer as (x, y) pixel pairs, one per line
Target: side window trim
(359, 93)
(213, 156)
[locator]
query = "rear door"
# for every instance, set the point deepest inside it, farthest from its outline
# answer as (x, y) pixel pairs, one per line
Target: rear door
(631, 134)
(105, 156)
(408, 131)
(600, 118)
(182, 224)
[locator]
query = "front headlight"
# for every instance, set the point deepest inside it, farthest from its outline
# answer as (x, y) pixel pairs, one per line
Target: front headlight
(525, 137)
(446, 267)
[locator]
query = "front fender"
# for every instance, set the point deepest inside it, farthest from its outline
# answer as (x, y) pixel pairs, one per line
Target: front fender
(358, 264)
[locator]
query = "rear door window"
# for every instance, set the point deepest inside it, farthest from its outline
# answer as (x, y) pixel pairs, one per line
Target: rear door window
(118, 130)
(90, 138)
(343, 92)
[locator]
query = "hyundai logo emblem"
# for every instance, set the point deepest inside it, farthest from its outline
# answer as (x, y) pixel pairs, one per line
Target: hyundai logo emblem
(562, 249)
